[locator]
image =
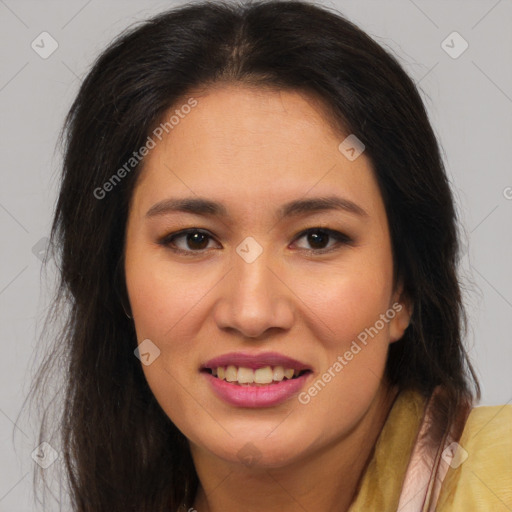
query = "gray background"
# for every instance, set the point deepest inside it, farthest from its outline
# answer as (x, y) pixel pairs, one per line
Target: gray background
(469, 99)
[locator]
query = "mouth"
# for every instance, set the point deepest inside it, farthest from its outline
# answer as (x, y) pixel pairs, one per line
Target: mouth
(263, 369)
(255, 380)
(244, 376)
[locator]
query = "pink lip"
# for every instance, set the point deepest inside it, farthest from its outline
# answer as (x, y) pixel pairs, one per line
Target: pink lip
(256, 396)
(255, 361)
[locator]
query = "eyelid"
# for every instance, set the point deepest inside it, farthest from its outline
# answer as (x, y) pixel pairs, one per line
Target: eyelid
(340, 238)
(168, 239)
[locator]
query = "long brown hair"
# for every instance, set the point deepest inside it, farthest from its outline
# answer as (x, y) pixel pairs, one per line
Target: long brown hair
(121, 451)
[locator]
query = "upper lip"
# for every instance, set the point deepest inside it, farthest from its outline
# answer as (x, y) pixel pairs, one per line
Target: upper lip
(255, 361)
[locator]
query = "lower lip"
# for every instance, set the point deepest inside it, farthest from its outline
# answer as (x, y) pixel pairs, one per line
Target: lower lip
(256, 396)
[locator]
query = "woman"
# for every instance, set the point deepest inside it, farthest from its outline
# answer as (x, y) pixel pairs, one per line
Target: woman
(258, 244)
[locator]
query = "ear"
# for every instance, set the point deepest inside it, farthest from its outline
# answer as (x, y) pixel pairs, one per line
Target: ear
(403, 308)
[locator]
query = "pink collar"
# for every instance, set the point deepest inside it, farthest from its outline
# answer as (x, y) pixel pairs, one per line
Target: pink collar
(430, 458)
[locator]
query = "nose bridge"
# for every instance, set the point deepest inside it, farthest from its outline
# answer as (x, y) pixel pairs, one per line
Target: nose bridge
(254, 299)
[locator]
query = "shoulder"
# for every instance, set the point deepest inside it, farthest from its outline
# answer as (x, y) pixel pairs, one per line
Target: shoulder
(480, 474)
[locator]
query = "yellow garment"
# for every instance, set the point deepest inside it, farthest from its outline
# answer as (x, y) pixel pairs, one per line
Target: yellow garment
(482, 483)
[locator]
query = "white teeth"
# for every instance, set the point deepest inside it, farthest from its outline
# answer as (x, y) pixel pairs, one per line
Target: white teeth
(245, 375)
(231, 373)
(288, 373)
(278, 373)
(262, 376)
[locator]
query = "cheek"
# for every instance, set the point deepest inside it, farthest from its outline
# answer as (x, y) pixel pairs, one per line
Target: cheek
(163, 299)
(164, 306)
(354, 338)
(345, 313)
(347, 301)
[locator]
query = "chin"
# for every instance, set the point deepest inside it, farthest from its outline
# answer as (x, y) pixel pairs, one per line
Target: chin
(259, 452)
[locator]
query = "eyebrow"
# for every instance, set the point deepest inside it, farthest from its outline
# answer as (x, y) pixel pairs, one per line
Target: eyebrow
(206, 207)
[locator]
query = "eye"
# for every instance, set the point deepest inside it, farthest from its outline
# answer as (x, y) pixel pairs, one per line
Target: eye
(193, 241)
(318, 238)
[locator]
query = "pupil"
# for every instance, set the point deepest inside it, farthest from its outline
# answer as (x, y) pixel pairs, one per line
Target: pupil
(317, 238)
(196, 238)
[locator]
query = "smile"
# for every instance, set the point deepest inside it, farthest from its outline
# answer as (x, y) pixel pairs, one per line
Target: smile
(255, 380)
(260, 377)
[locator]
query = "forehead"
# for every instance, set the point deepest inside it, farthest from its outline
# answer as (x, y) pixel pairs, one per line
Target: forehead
(249, 143)
(239, 113)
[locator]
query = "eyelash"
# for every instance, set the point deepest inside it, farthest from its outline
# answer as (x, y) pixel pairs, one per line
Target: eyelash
(341, 239)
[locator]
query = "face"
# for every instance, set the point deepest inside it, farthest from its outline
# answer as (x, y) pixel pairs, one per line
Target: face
(262, 272)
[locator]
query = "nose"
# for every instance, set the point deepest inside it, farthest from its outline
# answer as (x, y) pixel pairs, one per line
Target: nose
(255, 298)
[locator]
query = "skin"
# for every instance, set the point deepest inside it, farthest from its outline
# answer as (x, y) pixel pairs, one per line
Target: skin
(254, 150)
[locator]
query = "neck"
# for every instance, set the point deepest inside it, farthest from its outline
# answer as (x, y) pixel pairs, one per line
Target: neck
(324, 481)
